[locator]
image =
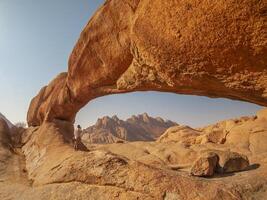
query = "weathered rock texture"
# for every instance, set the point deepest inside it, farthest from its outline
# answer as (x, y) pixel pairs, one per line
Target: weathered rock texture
(233, 162)
(10, 125)
(136, 128)
(136, 170)
(246, 134)
(183, 134)
(205, 165)
(210, 163)
(4, 146)
(12, 165)
(211, 48)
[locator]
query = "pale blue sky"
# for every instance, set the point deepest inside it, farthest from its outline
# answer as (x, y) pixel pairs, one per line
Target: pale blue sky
(36, 38)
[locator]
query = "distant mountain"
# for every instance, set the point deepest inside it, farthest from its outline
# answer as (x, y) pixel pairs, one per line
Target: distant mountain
(7, 121)
(137, 128)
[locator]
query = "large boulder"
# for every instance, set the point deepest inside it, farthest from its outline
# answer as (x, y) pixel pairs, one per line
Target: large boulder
(221, 161)
(205, 165)
(209, 48)
(233, 162)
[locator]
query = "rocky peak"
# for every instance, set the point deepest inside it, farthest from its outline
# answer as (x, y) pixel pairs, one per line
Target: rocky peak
(138, 127)
(115, 117)
(104, 121)
(140, 118)
(107, 122)
(159, 119)
(145, 117)
(133, 118)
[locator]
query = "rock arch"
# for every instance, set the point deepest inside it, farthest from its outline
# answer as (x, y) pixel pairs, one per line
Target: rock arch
(211, 48)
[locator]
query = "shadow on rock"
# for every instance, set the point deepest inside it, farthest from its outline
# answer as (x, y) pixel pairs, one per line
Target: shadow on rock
(81, 146)
(253, 167)
(223, 175)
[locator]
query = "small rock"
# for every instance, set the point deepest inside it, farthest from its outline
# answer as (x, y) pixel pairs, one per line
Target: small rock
(205, 165)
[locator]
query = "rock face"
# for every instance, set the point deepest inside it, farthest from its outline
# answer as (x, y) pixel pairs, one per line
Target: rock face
(183, 134)
(4, 146)
(10, 125)
(12, 165)
(245, 133)
(4, 133)
(205, 165)
(210, 48)
(137, 128)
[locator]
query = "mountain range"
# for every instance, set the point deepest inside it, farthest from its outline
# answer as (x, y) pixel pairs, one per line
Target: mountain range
(137, 128)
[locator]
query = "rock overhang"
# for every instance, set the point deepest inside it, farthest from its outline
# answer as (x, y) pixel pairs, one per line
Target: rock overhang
(214, 49)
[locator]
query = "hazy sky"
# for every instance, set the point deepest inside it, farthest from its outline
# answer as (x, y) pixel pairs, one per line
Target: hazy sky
(36, 38)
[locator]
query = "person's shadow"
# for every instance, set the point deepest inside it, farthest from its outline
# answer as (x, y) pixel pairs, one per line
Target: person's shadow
(81, 146)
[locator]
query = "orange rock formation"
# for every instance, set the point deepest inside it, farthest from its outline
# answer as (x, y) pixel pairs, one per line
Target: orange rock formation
(210, 48)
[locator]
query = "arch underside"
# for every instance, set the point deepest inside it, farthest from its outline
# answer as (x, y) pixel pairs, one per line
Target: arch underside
(208, 48)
